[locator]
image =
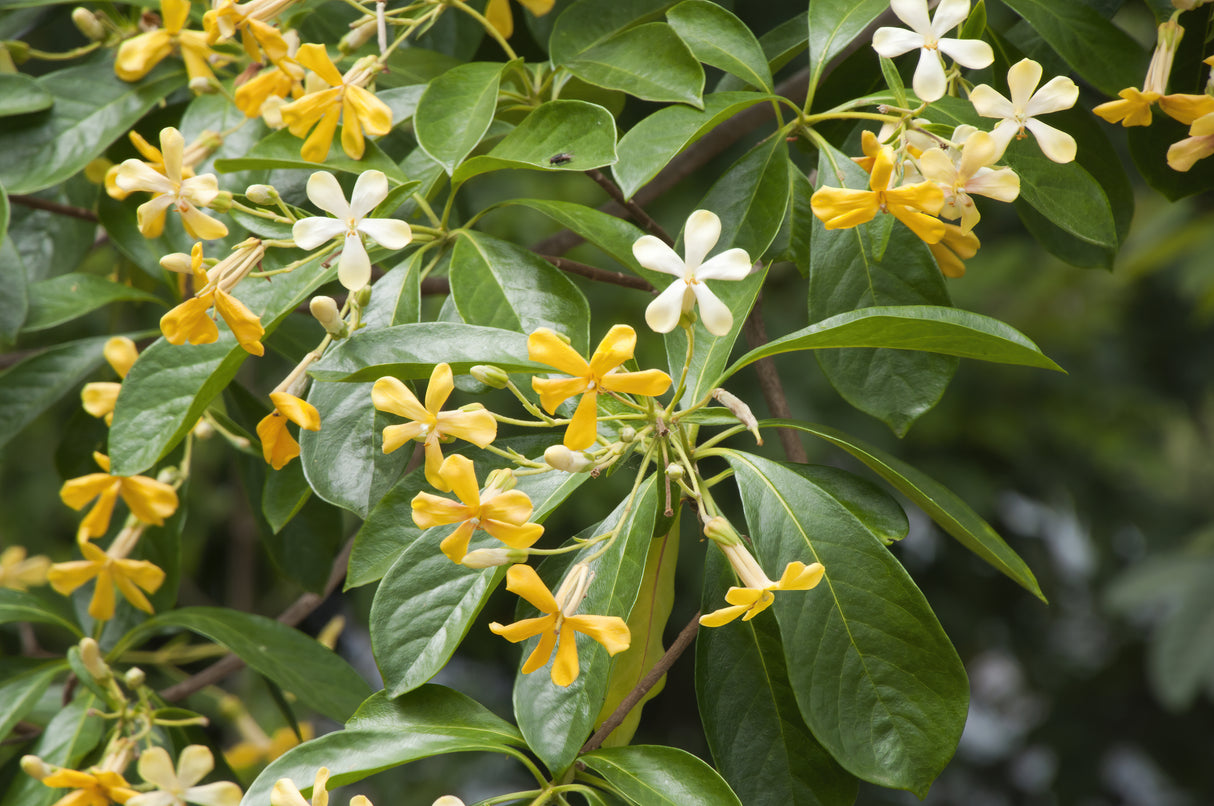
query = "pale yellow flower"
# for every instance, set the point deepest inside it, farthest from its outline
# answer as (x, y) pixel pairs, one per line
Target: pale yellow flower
(286, 793)
(171, 188)
(346, 101)
(966, 173)
(92, 788)
(177, 787)
(1026, 104)
(191, 321)
(19, 572)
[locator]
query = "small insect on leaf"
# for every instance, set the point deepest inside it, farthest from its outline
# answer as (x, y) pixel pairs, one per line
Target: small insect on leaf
(560, 159)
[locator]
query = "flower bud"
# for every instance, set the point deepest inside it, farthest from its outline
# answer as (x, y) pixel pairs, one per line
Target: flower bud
(490, 376)
(202, 85)
(448, 800)
(90, 656)
(18, 51)
(719, 530)
(96, 170)
(627, 434)
(675, 471)
(325, 311)
(88, 24)
(35, 767)
(134, 677)
(204, 430)
(271, 112)
(261, 194)
(362, 296)
(491, 558)
(559, 457)
(739, 410)
(222, 202)
(358, 36)
(120, 352)
(500, 480)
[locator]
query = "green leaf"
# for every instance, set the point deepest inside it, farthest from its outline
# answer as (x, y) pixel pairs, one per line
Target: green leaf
(283, 494)
(67, 739)
(498, 284)
(280, 149)
(719, 38)
(70, 296)
(411, 351)
(653, 775)
(19, 694)
(304, 548)
(387, 733)
(1103, 54)
(877, 263)
(759, 741)
(20, 95)
(613, 235)
(582, 131)
(455, 112)
(1066, 195)
(751, 198)
(170, 386)
(833, 25)
(651, 144)
(92, 108)
(31, 386)
(319, 678)
(781, 45)
(21, 606)
(389, 530)
(557, 721)
(14, 302)
(899, 717)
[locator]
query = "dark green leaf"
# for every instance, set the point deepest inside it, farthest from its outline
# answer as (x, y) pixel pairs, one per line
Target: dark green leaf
(70, 296)
(615, 236)
(833, 25)
(21, 606)
(280, 149)
(283, 495)
(1066, 195)
(649, 61)
(718, 38)
(780, 46)
(29, 387)
(652, 775)
(69, 736)
(19, 694)
(899, 717)
(751, 198)
(455, 112)
(20, 95)
(14, 303)
(319, 678)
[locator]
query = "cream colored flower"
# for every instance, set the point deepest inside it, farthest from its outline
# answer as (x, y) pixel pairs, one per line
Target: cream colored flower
(967, 172)
(285, 792)
(927, 36)
(1021, 111)
(179, 787)
(171, 189)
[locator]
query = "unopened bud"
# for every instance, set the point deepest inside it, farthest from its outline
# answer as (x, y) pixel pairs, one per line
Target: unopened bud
(88, 24)
(675, 471)
(222, 202)
(739, 410)
(329, 634)
(627, 434)
(96, 170)
(559, 457)
(719, 530)
(90, 656)
(500, 480)
(203, 429)
(134, 677)
(120, 352)
(490, 376)
(202, 85)
(325, 311)
(362, 296)
(18, 51)
(448, 800)
(358, 36)
(271, 112)
(35, 767)
(261, 194)
(491, 558)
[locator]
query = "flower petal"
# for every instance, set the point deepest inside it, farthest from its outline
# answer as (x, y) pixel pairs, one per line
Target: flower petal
(523, 629)
(310, 233)
(194, 764)
(972, 53)
(1055, 144)
(220, 793)
(1022, 78)
(156, 767)
(700, 235)
(543, 650)
(584, 425)
(354, 267)
(949, 14)
(325, 192)
(523, 581)
(663, 313)
(1059, 93)
(615, 348)
(460, 475)
(555, 391)
(439, 388)
(655, 255)
(297, 410)
(913, 13)
(991, 104)
(891, 42)
(716, 316)
(610, 631)
(389, 233)
(565, 666)
(478, 426)
(546, 347)
(391, 395)
(245, 325)
(151, 501)
(723, 616)
(316, 58)
(434, 510)
(517, 536)
(929, 82)
(732, 264)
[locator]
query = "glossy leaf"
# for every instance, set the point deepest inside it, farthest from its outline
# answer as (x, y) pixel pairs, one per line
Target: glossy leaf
(613, 235)
(1066, 195)
(557, 721)
(411, 351)
(31, 386)
(498, 284)
(280, 149)
(20, 693)
(298, 663)
(21, 606)
(455, 112)
(92, 108)
(718, 38)
(386, 733)
(70, 296)
(653, 775)
(70, 735)
(583, 132)
(781, 45)
(835, 24)
(20, 94)
(759, 741)
(899, 717)
(14, 303)
(650, 145)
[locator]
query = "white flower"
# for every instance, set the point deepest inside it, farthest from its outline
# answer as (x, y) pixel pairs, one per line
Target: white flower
(962, 173)
(177, 788)
(929, 82)
(354, 268)
(1021, 112)
(700, 235)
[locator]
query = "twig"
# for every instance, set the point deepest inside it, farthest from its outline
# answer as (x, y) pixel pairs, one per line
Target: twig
(771, 386)
(602, 276)
(634, 210)
(297, 612)
(647, 682)
(436, 286)
(54, 207)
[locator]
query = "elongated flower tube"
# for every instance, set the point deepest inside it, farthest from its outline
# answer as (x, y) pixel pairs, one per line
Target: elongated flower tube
(1026, 104)
(138, 55)
(969, 174)
(501, 513)
(347, 100)
(700, 235)
(170, 188)
(151, 501)
(757, 591)
(927, 35)
(429, 423)
(558, 625)
(350, 222)
(129, 576)
(190, 321)
(588, 378)
(843, 208)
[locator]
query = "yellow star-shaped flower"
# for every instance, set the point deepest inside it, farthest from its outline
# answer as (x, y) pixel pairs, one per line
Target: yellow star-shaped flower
(151, 501)
(191, 321)
(127, 575)
(347, 100)
(277, 445)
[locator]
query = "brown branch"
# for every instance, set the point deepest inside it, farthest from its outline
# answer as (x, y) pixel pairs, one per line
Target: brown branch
(602, 276)
(647, 682)
(53, 207)
(771, 386)
(436, 286)
(292, 616)
(634, 210)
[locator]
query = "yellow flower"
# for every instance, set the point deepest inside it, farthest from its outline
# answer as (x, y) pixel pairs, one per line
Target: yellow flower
(501, 513)
(95, 788)
(757, 593)
(174, 787)
(285, 792)
(170, 187)
(346, 99)
(956, 246)
(190, 321)
(19, 573)
(967, 172)
(251, 19)
(286, 78)
(499, 16)
(277, 445)
(1134, 108)
(99, 397)
(588, 379)
(151, 501)
(558, 625)
(843, 208)
(428, 423)
(138, 55)
(257, 748)
(127, 575)
(1184, 154)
